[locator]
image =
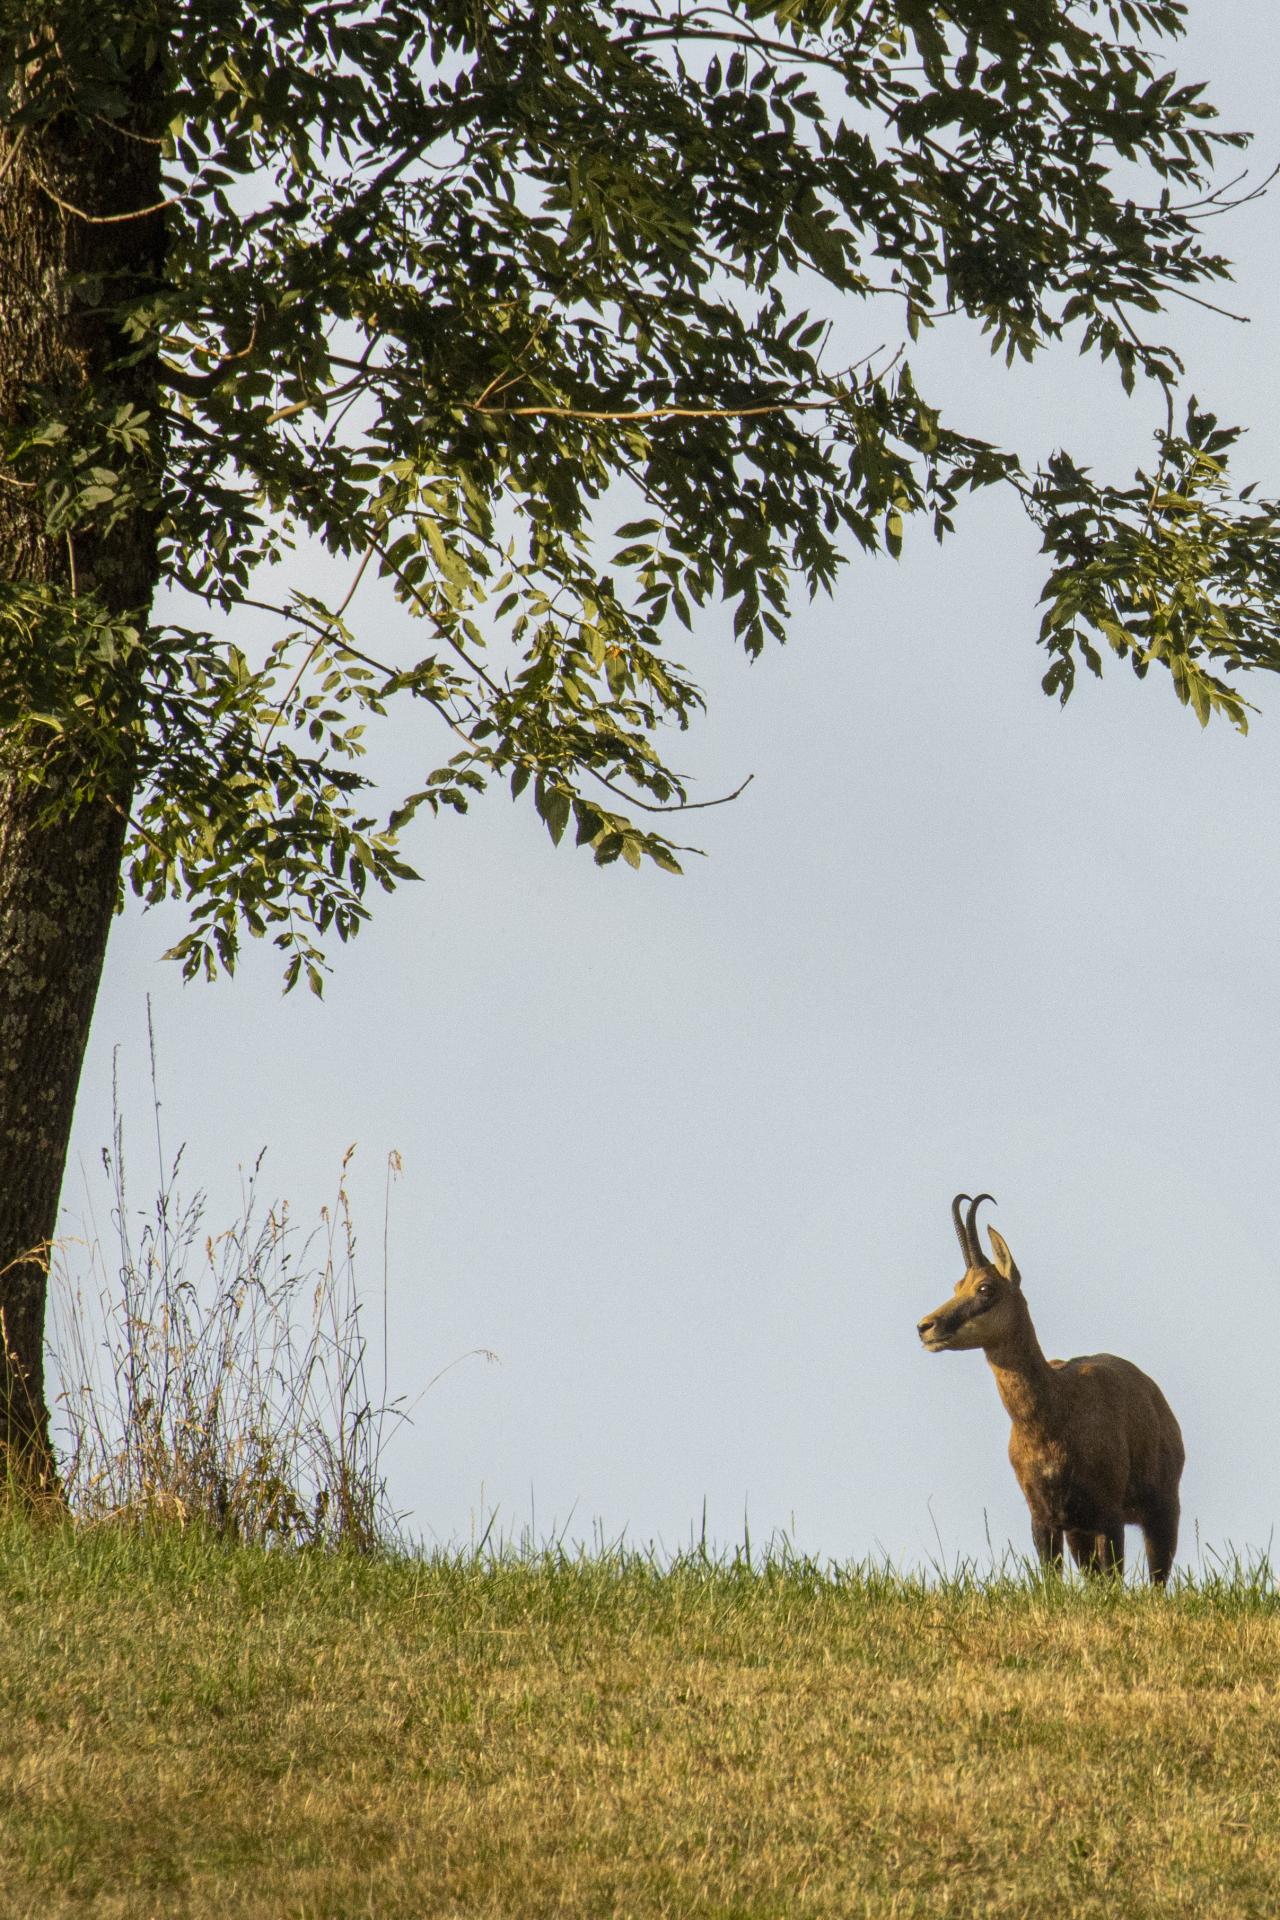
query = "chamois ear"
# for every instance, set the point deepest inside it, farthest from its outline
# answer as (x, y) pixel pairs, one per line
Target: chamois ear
(1006, 1265)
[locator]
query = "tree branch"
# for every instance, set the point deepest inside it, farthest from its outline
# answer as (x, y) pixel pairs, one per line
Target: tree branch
(99, 219)
(312, 651)
(677, 806)
(657, 413)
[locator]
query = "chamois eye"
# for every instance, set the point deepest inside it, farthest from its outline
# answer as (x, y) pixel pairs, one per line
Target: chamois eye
(986, 1289)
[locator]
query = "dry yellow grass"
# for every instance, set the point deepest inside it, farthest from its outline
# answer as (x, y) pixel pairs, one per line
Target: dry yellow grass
(191, 1730)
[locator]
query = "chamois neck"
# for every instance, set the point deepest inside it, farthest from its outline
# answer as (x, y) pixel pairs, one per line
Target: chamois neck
(1028, 1385)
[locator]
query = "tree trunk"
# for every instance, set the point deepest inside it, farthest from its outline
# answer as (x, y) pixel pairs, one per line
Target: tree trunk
(58, 888)
(68, 172)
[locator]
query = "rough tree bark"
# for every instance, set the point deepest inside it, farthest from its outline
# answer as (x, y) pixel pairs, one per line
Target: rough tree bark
(74, 240)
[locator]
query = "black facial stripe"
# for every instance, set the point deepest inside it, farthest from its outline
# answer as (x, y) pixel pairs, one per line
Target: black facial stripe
(967, 1310)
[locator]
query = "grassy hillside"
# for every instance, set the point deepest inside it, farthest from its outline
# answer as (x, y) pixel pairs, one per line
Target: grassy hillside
(188, 1729)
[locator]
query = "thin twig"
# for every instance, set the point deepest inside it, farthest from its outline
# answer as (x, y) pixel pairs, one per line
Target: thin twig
(127, 133)
(1210, 306)
(678, 806)
(1210, 205)
(658, 413)
(315, 400)
(13, 153)
(424, 604)
(501, 381)
(1158, 482)
(99, 219)
(314, 649)
(682, 32)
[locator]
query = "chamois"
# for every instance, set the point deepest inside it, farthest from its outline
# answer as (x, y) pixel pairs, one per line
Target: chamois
(1094, 1444)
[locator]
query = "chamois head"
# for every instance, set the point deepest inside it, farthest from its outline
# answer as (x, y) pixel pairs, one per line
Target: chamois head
(986, 1308)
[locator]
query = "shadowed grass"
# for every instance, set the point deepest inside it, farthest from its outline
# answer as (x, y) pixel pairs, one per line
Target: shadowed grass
(199, 1728)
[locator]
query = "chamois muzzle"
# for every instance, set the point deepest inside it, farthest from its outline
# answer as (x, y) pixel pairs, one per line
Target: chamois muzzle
(931, 1334)
(938, 1330)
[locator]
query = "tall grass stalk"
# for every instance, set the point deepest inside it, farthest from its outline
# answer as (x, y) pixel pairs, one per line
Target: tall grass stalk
(221, 1379)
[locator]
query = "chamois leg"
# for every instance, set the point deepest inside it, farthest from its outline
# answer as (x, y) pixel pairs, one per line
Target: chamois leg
(1084, 1549)
(1047, 1541)
(1160, 1534)
(1097, 1553)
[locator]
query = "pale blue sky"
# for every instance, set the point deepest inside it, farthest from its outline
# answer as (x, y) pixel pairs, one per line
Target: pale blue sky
(681, 1151)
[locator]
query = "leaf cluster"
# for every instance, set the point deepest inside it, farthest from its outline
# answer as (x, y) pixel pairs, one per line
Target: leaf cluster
(1173, 569)
(525, 311)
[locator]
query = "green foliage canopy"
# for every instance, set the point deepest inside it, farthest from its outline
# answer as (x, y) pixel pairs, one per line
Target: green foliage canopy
(454, 290)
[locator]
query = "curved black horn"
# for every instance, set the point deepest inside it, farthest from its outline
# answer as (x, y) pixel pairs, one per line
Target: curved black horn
(966, 1247)
(978, 1258)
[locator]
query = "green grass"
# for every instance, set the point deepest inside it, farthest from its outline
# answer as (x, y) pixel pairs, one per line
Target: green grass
(197, 1729)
